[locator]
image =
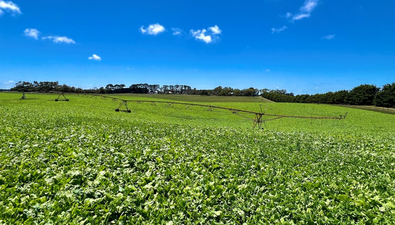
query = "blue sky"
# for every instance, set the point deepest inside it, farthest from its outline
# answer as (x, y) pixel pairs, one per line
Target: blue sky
(304, 46)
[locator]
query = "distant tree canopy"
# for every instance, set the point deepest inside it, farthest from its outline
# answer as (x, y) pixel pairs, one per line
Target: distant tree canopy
(228, 91)
(385, 97)
(362, 95)
(43, 86)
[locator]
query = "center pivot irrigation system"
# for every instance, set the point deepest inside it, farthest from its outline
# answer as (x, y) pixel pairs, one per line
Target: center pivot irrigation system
(258, 120)
(61, 94)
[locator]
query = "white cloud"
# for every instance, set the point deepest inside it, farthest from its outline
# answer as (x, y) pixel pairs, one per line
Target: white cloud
(95, 57)
(278, 30)
(177, 31)
(309, 6)
(7, 84)
(153, 29)
(201, 35)
(329, 37)
(301, 16)
(58, 39)
(215, 29)
(32, 33)
(9, 6)
(288, 15)
(208, 36)
(305, 10)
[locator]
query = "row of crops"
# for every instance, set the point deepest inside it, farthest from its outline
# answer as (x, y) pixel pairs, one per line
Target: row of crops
(79, 162)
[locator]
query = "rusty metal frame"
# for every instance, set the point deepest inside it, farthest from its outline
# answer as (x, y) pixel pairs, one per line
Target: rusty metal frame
(257, 121)
(61, 94)
(123, 103)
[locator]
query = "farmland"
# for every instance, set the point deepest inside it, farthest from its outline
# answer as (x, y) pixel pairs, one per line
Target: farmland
(80, 162)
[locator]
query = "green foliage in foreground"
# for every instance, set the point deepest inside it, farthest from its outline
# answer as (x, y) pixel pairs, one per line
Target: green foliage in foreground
(69, 163)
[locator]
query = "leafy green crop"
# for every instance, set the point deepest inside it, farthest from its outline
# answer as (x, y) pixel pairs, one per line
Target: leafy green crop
(79, 162)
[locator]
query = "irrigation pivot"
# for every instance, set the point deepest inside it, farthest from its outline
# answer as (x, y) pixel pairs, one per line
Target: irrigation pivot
(123, 103)
(61, 94)
(257, 121)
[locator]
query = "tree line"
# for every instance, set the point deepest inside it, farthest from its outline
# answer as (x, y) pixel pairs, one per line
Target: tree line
(45, 86)
(365, 94)
(362, 95)
(176, 89)
(145, 88)
(142, 88)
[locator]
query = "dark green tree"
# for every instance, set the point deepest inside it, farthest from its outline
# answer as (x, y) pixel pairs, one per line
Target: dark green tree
(226, 91)
(339, 97)
(386, 97)
(362, 95)
(217, 90)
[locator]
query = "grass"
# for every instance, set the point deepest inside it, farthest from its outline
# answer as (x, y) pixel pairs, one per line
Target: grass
(80, 162)
(358, 121)
(194, 98)
(372, 108)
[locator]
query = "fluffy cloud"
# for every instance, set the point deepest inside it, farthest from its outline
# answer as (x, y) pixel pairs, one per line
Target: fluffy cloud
(329, 37)
(278, 30)
(207, 36)
(305, 10)
(31, 33)
(9, 6)
(153, 29)
(215, 29)
(95, 57)
(58, 39)
(201, 35)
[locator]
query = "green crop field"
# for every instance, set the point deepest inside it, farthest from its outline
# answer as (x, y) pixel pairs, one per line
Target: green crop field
(80, 162)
